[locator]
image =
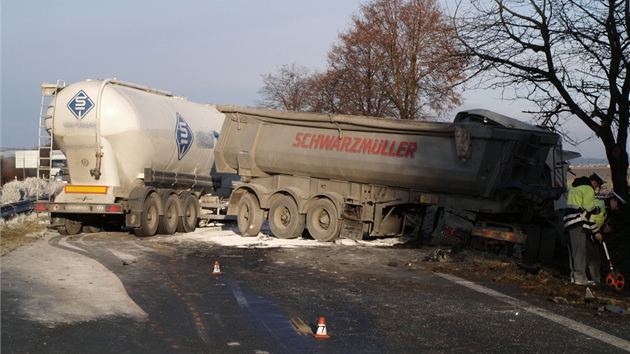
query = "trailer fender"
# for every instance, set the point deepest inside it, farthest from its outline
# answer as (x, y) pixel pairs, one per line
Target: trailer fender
(336, 198)
(136, 203)
(163, 194)
(297, 194)
(259, 191)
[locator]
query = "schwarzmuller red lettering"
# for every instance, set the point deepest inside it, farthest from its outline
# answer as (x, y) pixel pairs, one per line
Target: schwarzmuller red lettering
(334, 145)
(366, 145)
(314, 141)
(326, 141)
(356, 145)
(375, 147)
(306, 136)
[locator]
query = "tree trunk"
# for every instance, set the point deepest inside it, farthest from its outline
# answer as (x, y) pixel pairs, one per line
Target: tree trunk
(618, 159)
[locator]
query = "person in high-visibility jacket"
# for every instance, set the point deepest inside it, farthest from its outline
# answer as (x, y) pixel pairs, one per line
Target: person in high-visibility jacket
(577, 222)
(594, 229)
(598, 228)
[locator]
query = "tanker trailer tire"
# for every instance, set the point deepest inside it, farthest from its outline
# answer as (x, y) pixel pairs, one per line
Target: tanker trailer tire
(91, 229)
(250, 216)
(92, 224)
(71, 227)
(322, 222)
(170, 219)
(284, 219)
(150, 217)
(190, 213)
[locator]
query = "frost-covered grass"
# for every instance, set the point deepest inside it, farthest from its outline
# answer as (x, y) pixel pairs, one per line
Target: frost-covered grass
(24, 228)
(20, 230)
(31, 187)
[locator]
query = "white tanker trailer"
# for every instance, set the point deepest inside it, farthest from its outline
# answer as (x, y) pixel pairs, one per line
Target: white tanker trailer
(137, 157)
(354, 176)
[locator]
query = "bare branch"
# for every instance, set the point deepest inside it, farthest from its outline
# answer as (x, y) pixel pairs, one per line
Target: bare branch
(569, 57)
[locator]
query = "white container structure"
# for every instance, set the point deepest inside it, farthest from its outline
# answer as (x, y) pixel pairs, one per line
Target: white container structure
(137, 157)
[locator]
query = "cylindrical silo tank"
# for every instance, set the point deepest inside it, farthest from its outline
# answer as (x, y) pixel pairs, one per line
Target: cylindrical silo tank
(110, 131)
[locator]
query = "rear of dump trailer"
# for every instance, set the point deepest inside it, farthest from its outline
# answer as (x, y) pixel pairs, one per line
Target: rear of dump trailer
(352, 176)
(137, 157)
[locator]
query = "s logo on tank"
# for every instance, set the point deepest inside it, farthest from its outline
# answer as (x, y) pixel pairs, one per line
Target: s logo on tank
(183, 137)
(80, 104)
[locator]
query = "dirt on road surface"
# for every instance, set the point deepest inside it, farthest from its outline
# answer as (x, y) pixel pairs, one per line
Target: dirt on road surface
(52, 278)
(546, 284)
(53, 286)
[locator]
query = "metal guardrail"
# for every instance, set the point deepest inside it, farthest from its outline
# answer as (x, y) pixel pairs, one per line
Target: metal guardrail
(23, 206)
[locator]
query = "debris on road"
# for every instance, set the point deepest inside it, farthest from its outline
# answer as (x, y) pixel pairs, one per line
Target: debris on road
(617, 310)
(438, 255)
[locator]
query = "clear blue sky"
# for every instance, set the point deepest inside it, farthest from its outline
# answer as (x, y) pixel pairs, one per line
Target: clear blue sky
(207, 50)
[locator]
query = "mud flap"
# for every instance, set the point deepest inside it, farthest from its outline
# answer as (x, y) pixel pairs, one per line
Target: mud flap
(452, 237)
(132, 219)
(136, 201)
(351, 229)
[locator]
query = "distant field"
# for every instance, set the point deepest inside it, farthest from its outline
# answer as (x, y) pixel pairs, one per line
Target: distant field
(579, 171)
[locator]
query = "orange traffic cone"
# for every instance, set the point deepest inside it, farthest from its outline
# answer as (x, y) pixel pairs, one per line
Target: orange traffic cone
(321, 329)
(216, 270)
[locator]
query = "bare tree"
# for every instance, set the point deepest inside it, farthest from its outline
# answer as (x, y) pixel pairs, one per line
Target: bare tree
(357, 68)
(288, 88)
(323, 89)
(569, 57)
(396, 60)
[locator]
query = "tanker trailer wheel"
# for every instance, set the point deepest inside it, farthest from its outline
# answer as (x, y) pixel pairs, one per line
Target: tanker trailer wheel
(322, 222)
(190, 213)
(250, 216)
(91, 225)
(70, 227)
(170, 219)
(284, 219)
(150, 218)
(91, 229)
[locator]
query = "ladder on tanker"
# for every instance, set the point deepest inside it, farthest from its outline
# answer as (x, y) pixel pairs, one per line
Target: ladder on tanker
(46, 141)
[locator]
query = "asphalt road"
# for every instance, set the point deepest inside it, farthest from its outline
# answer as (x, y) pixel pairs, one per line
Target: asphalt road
(115, 293)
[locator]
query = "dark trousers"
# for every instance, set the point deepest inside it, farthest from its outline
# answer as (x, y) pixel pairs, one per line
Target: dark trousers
(595, 261)
(583, 254)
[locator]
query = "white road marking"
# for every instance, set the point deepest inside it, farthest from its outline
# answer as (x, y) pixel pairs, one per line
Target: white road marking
(238, 293)
(564, 321)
